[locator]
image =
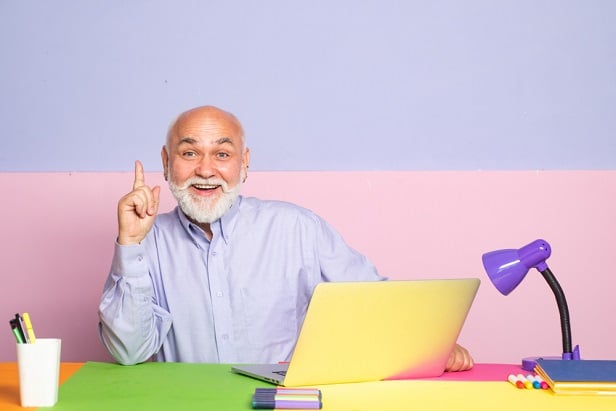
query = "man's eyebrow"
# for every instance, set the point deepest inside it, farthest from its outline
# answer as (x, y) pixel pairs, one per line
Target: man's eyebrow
(190, 140)
(187, 140)
(223, 140)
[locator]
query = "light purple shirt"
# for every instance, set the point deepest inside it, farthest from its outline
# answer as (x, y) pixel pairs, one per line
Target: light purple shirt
(239, 298)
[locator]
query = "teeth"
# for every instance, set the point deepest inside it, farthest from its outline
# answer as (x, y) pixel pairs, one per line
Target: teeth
(205, 186)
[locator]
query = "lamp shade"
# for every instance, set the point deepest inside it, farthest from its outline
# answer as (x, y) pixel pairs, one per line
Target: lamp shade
(507, 268)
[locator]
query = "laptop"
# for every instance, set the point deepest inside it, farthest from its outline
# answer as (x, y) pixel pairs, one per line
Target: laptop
(371, 331)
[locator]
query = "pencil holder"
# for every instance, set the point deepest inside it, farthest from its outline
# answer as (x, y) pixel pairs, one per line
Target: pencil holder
(39, 371)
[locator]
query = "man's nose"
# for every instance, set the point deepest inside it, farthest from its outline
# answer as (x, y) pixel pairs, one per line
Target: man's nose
(205, 168)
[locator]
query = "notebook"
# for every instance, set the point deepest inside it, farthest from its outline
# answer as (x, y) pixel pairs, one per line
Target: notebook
(588, 377)
(370, 331)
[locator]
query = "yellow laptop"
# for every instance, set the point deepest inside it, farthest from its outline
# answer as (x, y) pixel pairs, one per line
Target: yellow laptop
(370, 331)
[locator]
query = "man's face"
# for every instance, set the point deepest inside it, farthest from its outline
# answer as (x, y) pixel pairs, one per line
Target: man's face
(205, 162)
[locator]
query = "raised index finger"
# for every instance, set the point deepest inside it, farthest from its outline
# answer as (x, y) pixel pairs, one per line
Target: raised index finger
(139, 175)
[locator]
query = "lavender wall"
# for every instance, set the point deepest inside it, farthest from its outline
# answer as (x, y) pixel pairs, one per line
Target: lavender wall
(319, 85)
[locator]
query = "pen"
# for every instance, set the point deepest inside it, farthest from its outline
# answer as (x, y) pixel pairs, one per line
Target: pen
(285, 397)
(22, 328)
(29, 328)
(284, 404)
(289, 391)
(16, 332)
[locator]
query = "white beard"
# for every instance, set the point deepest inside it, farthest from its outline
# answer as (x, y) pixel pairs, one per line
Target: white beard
(204, 209)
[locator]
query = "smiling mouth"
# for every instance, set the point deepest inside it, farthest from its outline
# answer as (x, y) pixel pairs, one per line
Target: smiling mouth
(205, 187)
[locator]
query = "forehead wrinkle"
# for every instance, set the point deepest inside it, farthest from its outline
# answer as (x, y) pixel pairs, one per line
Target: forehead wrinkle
(194, 141)
(187, 140)
(224, 140)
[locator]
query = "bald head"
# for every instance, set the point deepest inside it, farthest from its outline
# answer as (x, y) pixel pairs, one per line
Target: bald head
(205, 118)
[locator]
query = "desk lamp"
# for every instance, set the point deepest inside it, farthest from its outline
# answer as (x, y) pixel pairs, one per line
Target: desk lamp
(507, 269)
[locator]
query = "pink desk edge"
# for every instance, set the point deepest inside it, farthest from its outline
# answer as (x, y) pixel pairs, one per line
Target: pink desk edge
(484, 372)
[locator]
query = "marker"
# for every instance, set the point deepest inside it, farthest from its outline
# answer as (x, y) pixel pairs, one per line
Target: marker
(544, 385)
(527, 384)
(288, 405)
(15, 328)
(515, 381)
(265, 401)
(291, 398)
(17, 335)
(22, 328)
(289, 391)
(286, 398)
(29, 328)
(534, 381)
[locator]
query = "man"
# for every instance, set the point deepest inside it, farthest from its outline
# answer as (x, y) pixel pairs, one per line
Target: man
(222, 278)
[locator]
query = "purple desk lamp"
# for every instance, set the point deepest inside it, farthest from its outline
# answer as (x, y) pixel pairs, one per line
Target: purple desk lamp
(507, 269)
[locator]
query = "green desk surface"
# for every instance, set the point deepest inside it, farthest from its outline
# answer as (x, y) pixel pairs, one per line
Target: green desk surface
(156, 386)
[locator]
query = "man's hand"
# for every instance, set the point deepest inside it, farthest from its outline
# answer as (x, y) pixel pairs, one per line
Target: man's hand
(137, 210)
(459, 359)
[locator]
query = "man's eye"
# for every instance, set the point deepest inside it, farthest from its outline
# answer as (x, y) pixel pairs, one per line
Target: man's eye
(222, 155)
(189, 154)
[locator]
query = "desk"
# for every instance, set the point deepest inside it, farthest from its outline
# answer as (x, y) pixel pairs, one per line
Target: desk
(172, 386)
(9, 383)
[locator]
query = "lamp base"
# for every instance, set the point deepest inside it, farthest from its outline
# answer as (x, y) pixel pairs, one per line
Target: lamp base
(529, 363)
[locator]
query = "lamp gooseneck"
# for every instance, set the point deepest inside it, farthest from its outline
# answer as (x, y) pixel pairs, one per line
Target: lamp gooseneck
(563, 309)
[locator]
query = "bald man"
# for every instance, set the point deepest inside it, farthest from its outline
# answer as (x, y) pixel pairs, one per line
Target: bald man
(222, 277)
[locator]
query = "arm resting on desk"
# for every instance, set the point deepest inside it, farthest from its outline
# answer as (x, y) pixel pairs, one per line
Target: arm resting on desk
(132, 327)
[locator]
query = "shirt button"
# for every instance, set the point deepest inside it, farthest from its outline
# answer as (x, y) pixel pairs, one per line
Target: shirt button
(139, 258)
(225, 336)
(219, 294)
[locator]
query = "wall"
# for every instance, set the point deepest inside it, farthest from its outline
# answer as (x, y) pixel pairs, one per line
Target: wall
(445, 128)
(59, 231)
(319, 85)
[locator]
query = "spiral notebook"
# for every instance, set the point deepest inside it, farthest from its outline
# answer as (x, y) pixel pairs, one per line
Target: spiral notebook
(370, 331)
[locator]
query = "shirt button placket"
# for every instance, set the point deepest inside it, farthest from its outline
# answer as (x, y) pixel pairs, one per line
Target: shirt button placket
(221, 306)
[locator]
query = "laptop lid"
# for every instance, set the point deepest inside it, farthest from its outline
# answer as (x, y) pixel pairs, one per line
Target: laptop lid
(370, 331)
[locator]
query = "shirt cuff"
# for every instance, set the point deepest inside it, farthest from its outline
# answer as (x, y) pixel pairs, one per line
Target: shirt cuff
(129, 260)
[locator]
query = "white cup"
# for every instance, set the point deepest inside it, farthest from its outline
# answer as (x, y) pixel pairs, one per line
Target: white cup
(39, 372)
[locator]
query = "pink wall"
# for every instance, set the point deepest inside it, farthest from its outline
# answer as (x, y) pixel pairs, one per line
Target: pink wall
(59, 229)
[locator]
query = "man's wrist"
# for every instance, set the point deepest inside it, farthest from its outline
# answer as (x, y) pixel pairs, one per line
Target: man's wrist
(122, 240)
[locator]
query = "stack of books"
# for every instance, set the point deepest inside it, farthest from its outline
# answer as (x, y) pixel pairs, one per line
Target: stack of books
(579, 377)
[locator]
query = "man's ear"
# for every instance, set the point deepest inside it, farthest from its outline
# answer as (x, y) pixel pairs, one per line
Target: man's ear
(245, 164)
(165, 158)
